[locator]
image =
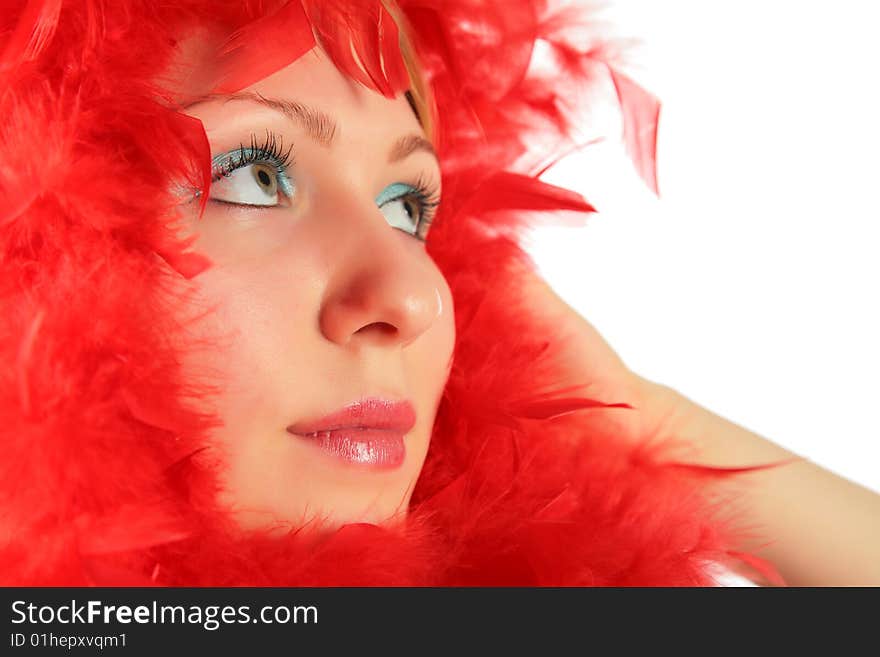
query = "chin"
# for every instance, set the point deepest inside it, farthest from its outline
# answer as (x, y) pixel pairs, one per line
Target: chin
(276, 520)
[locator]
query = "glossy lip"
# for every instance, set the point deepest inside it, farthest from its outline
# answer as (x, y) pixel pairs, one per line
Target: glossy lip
(368, 432)
(370, 413)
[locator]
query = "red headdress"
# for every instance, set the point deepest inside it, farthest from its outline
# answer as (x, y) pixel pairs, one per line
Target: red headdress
(105, 475)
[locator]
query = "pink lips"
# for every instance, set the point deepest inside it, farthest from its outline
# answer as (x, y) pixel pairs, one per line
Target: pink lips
(368, 432)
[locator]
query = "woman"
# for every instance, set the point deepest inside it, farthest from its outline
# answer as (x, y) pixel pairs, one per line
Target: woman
(246, 343)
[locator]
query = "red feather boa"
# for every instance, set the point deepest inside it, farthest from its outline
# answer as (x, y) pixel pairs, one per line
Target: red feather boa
(105, 475)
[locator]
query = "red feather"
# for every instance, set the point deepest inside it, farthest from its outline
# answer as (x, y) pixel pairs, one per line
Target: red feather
(550, 408)
(641, 115)
(263, 46)
(35, 28)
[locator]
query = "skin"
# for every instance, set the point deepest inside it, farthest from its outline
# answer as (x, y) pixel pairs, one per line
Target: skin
(318, 303)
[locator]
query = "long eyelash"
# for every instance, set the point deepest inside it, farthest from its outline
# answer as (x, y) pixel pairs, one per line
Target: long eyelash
(271, 149)
(429, 200)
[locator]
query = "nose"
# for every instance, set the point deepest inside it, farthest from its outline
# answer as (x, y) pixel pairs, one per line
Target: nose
(385, 289)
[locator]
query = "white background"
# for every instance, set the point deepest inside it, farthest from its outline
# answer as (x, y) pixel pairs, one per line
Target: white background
(752, 285)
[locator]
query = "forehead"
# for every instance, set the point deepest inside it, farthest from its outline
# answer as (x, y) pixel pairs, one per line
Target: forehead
(311, 80)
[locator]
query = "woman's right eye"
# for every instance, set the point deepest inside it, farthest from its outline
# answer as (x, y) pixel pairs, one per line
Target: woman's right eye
(254, 176)
(260, 184)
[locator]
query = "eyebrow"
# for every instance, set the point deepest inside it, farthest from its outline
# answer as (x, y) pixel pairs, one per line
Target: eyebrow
(318, 125)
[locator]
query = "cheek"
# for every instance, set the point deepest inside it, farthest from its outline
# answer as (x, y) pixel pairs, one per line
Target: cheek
(435, 348)
(257, 324)
(446, 328)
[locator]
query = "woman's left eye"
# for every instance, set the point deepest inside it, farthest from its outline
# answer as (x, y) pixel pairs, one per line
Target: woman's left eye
(408, 208)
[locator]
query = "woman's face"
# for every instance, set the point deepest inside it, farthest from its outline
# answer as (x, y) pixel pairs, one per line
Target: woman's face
(324, 295)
